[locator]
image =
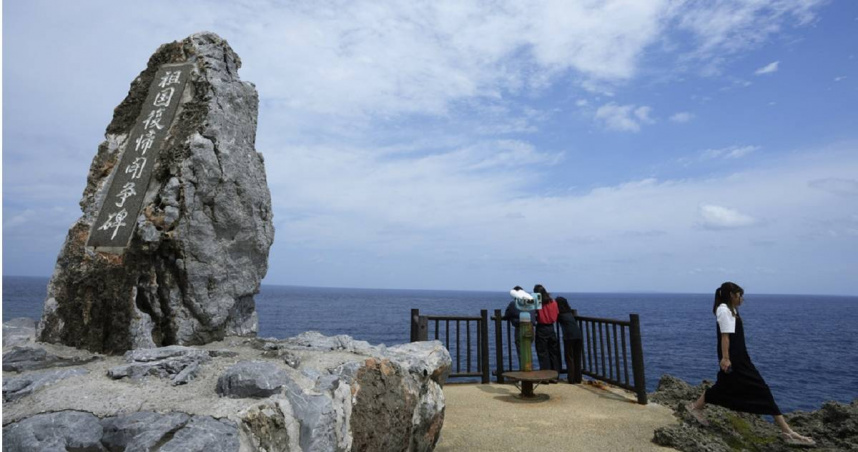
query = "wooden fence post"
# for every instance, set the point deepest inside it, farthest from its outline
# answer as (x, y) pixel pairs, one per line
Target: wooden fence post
(637, 358)
(484, 345)
(499, 345)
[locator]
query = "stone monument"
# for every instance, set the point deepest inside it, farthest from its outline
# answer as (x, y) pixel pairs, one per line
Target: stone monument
(177, 223)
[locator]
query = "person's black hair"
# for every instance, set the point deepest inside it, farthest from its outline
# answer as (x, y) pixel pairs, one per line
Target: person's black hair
(724, 295)
(563, 304)
(546, 297)
(518, 288)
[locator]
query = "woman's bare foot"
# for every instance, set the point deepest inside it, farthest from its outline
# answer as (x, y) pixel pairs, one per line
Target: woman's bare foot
(794, 439)
(696, 414)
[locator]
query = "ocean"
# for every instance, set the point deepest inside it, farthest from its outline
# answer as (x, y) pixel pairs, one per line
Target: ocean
(805, 346)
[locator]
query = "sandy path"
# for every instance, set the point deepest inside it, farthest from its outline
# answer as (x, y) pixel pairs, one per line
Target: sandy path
(563, 418)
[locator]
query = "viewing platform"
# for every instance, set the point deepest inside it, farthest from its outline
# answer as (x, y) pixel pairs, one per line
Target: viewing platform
(587, 417)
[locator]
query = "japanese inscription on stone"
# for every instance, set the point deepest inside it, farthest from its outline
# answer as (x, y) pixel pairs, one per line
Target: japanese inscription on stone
(118, 215)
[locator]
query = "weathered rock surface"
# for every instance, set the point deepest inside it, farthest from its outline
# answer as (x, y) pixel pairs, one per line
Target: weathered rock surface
(177, 363)
(24, 358)
(834, 427)
(200, 247)
(336, 394)
(251, 379)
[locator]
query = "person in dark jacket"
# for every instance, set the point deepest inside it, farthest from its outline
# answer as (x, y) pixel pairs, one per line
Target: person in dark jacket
(547, 347)
(573, 341)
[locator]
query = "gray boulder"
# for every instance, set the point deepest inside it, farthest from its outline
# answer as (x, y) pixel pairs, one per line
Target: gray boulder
(24, 385)
(201, 242)
(251, 379)
(62, 431)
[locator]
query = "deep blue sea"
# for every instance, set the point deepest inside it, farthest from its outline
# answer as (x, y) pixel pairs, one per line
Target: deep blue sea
(806, 347)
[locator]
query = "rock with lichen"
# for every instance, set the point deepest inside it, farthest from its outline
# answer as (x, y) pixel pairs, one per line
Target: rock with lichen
(200, 244)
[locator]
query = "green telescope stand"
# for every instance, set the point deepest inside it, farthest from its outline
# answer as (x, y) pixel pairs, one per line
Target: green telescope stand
(525, 337)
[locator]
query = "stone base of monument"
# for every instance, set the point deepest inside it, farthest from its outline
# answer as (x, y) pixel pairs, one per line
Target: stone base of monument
(307, 393)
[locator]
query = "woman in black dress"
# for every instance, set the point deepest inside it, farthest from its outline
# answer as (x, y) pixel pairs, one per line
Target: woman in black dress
(740, 386)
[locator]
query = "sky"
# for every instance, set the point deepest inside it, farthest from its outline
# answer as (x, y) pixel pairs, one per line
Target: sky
(590, 146)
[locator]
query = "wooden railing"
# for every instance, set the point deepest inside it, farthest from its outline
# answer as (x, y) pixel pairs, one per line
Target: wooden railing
(442, 331)
(608, 346)
(604, 342)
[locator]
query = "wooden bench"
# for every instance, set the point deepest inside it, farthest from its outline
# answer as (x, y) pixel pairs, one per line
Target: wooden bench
(527, 379)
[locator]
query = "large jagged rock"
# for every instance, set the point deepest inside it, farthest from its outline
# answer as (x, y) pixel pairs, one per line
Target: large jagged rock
(319, 393)
(833, 427)
(200, 247)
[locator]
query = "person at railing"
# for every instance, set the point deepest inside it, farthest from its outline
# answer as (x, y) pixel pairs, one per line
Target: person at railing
(513, 314)
(573, 344)
(547, 347)
(739, 386)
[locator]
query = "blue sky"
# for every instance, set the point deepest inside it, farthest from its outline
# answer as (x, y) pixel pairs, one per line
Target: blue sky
(588, 146)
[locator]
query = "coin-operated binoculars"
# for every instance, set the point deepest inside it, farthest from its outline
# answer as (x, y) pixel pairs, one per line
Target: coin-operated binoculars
(526, 303)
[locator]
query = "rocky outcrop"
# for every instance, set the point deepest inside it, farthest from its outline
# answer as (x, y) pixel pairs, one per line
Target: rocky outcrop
(306, 393)
(200, 245)
(833, 427)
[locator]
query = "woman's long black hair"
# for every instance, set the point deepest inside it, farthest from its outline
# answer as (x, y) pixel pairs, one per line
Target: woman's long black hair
(724, 295)
(546, 297)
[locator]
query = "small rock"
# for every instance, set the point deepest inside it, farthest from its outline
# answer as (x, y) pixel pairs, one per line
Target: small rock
(251, 379)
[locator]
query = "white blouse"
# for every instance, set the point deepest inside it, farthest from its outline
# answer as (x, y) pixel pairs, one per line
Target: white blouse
(726, 321)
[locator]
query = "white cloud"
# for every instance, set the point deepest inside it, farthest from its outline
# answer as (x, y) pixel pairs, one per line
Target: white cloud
(768, 69)
(624, 118)
(730, 152)
(727, 27)
(718, 217)
(840, 78)
(682, 117)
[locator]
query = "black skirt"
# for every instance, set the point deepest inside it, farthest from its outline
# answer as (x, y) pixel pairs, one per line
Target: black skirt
(743, 389)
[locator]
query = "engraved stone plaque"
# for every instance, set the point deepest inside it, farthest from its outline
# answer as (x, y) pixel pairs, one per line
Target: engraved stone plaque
(117, 218)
